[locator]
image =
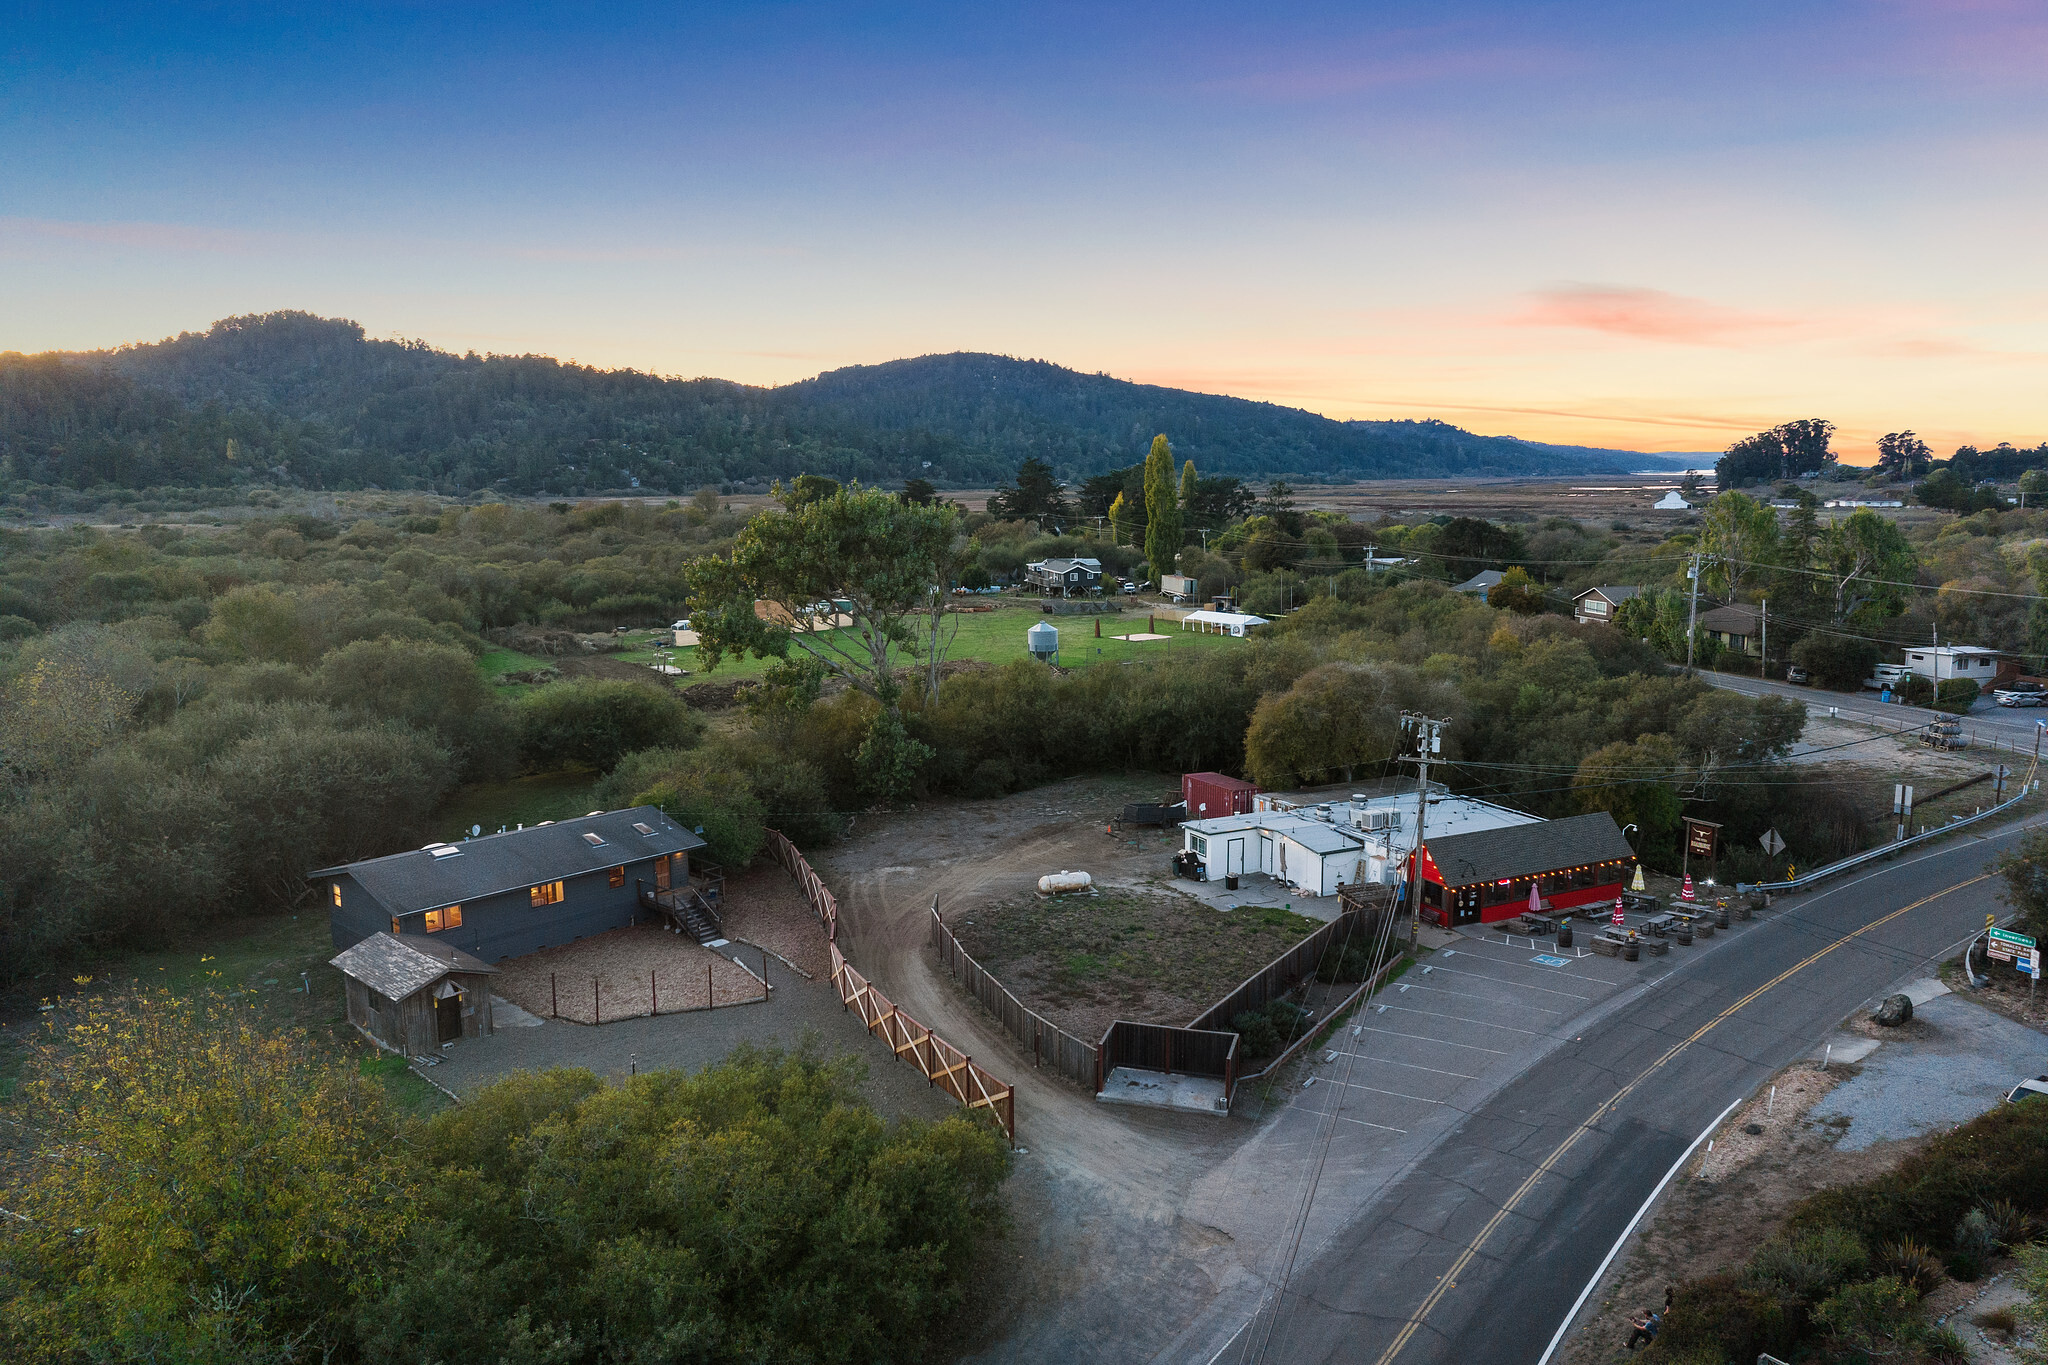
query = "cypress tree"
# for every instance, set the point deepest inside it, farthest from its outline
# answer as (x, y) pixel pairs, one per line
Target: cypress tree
(1120, 521)
(1187, 488)
(1162, 511)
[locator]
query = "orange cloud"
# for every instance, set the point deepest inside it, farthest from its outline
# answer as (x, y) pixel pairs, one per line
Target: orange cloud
(1648, 315)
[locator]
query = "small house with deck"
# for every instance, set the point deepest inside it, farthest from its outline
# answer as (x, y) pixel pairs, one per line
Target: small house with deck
(1598, 606)
(505, 895)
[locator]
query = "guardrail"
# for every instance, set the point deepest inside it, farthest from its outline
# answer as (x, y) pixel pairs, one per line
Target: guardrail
(1871, 855)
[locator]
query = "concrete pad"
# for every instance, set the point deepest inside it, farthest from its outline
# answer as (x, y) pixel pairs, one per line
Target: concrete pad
(1846, 1048)
(1956, 1060)
(1158, 1090)
(1256, 888)
(1924, 990)
(505, 1014)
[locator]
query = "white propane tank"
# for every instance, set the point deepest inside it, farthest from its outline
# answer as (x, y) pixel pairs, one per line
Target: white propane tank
(1053, 883)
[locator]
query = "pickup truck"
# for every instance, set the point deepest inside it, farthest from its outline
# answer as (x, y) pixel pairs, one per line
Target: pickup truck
(1887, 675)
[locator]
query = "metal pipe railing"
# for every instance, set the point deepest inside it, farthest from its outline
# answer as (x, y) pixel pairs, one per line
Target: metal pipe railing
(1872, 855)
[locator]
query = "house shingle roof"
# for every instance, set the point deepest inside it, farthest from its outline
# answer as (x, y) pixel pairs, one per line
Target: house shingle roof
(1613, 592)
(417, 880)
(1481, 581)
(395, 966)
(1731, 620)
(1488, 855)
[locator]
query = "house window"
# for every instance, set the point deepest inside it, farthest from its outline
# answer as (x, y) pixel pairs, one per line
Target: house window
(1201, 845)
(618, 877)
(547, 893)
(1595, 607)
(448, 917)
(337, 895)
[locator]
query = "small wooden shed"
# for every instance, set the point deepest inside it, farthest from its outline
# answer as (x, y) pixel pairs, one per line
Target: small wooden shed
(412, 994)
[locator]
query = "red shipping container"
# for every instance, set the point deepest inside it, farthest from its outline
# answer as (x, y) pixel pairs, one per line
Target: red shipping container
(1209, 795)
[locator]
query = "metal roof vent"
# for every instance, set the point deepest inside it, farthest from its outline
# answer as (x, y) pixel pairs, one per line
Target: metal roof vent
(595, 812)
(544, 824)
(593, 840)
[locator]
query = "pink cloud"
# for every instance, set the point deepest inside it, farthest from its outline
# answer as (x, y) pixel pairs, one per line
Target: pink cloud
(1648, 315)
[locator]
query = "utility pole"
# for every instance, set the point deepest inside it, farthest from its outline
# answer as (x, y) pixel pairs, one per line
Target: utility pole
(1764, 668)
(1692, 616)
(1429, 742)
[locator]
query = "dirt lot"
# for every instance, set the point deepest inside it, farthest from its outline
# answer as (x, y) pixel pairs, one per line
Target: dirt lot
(1727, 1201)
(1086, 961)
(764, 907)
(628, 967)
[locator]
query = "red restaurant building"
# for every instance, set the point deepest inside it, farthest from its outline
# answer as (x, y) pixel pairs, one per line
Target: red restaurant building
(1486, 875)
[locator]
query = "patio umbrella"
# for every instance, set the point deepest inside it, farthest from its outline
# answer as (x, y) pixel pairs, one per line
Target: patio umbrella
(1637, 884)
(1535, 901)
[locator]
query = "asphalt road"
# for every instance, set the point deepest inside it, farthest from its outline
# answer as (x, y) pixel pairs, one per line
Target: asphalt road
(2010, 725)
(1476, 1252)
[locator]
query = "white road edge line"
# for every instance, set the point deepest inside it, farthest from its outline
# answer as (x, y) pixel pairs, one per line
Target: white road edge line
(1232, 1342)
(1626, 1232)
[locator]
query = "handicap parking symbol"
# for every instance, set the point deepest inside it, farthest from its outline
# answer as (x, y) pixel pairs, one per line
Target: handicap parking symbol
(1547, 960)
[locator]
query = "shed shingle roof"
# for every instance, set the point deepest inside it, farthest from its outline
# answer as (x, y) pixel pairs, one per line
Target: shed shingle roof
(417, 880)
(1488, 855)
(395, 966)
(1731, 620)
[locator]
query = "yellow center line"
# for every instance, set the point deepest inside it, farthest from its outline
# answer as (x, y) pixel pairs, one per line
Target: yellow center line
(1450, 1277)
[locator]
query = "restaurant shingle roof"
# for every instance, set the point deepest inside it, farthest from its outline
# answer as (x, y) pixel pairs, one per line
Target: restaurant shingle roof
(395, 966)
(419, 880)
(1489, 855)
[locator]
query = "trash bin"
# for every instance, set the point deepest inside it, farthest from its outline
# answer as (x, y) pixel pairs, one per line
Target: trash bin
(1721, 915)
(1564, 933)
(1684, 935)
(1230, 883)
(1631, 951)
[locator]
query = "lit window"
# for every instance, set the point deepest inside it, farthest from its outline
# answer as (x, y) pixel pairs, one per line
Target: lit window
(394, 925)
(449, 917)
(618, 877)
(337, 894)
(547, 893)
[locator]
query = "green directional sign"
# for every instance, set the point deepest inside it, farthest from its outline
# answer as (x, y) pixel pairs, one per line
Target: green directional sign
(2008, 936)
(2006, 946)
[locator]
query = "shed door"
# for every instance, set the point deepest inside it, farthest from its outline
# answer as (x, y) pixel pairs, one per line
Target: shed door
(1465, 908)
(661, 874)
(448, 1017)
(1266, 854)
(1233, 858)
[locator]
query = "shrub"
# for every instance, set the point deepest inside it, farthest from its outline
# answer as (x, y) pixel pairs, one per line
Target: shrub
(594, 723)
(2011, 1225)
(1724, 1314)
(1956, 696)
(1812, 1266)
(1836, 661)
(1911, 1263)
(1877, 1317)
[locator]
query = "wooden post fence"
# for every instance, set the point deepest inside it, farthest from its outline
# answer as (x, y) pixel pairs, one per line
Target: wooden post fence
(943, 1065)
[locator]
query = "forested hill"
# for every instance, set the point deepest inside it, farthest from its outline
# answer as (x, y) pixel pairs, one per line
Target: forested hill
(292, 397)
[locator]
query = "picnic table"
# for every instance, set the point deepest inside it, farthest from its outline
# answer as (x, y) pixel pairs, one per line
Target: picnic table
(1661, 924)
(1534, 925)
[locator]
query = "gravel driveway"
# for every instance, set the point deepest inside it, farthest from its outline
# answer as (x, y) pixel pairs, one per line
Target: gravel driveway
(1955, 1060)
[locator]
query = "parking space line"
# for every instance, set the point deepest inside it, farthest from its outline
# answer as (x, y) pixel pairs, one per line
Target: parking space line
(1460, 1019)
(1521, 985)
(1419, 1099)
(1443, 1042)
(1475, 995)
(1324, 1114)
(1412, 1066)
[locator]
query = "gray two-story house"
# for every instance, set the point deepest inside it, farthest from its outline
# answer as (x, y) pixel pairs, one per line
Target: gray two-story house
(1064, 577)
(505, 895)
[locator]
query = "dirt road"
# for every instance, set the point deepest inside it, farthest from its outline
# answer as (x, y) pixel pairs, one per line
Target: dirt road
(1098, 1193)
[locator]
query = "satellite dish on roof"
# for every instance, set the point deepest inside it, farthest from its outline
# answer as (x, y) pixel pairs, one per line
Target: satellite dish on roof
(475, 830)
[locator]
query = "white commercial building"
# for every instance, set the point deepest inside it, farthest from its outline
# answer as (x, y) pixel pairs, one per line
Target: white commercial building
(1314, 847)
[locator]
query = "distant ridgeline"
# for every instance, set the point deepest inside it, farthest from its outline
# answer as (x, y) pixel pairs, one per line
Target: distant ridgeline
(288, 398)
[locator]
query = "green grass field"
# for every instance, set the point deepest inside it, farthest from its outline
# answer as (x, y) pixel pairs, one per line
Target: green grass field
(520, 801)
(995, 637)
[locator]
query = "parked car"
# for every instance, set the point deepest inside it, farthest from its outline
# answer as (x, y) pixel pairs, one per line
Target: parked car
(683, 624)
(2022, 694)
(1130, 588)
(1796, 674)
(1887, 675)
(2027, 1090)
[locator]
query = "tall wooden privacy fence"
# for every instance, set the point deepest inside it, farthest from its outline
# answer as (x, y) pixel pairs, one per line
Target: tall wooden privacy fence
(944, 1065)
(1049, 1044)
(1360, 921)
(1162, 1047)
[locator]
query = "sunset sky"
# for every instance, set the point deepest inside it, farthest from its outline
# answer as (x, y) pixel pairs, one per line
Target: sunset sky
(1616, 224)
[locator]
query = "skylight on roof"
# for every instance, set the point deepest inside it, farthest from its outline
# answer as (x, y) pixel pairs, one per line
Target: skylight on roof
(593, 841)
(446, 851)
(643, 829)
